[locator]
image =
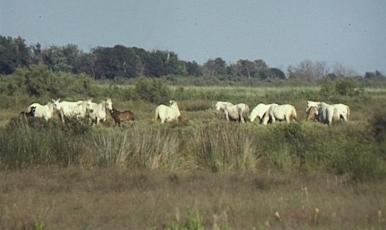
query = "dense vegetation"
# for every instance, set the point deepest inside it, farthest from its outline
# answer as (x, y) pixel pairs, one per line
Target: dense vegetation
(120, 62)
(217, 146)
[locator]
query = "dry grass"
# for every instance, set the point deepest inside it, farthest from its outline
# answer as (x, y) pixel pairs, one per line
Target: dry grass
(119, 199)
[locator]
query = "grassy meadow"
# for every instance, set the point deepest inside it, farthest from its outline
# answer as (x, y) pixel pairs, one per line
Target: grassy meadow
(203, 173)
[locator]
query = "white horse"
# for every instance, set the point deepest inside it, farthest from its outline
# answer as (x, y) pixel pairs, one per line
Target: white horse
(98, 112)
(71, 109)
(42, 111)
(237, 112)
(328, 113)
(280, 112)
(167, 113)
(259, 111)
(220, 105)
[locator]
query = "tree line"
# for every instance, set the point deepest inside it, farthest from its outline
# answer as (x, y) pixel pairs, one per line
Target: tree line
(130, 62)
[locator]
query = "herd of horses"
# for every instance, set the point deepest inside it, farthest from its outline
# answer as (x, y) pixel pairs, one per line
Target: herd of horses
(265, 113)
(94, 112)
(270, 113)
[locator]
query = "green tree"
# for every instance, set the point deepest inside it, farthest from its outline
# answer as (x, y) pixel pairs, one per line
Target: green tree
(118, 61)
(193, 69)
(246, 68)
(14, 53)
(215, 67)
(272, 74)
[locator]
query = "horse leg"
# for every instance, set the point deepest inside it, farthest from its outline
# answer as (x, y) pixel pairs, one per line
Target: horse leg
(62, 117)
(242, 119)
(273, 120)
(265, 119)
(344, 117)
(226, 115)
(329, 121)
(287, 119)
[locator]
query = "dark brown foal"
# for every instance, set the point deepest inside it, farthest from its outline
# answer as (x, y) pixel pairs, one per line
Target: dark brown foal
(120, 117)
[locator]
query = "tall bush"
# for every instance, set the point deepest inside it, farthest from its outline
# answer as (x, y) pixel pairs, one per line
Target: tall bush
(152, 90)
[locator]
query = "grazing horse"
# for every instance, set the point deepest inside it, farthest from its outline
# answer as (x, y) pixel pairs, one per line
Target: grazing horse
(41, 111)
(71, 109)
(98, 112)
(259, 111)
(167, 113)
(220, 106)
(328, 113)
(312, 114)
(123, 116)
(238, 112)
(280, 112)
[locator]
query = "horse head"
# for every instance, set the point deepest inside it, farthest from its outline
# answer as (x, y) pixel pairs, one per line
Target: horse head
(172, 102)
(56, 104)
(109, 104)
(312, 113)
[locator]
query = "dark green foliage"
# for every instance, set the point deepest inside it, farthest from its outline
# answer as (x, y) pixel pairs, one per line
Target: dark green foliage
(121, 62)
(118, 61)
(348, 87)
(215, 67)
(152, 90)
(39, 81)
(378, 124)
(14, 53)
(272, 74)
(342, 87)
(246, 68)
(374, 76)
(327, 89)
(67, 58)
(193, 69)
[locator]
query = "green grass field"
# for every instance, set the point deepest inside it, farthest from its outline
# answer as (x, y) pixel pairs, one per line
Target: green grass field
(204, 173)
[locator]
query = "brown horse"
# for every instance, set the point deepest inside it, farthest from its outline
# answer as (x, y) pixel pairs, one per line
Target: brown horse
(123, 116)
(312, 114)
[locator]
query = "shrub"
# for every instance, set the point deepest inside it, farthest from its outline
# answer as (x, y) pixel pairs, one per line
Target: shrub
(327, 89)
(152, 90)
(39, 81)
(348, 87)
(342, 87)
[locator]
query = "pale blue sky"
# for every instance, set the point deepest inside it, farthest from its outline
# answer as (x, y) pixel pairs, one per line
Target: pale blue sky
(281, 32)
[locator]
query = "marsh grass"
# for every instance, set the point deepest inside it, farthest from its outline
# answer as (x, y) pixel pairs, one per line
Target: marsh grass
(217, 146)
